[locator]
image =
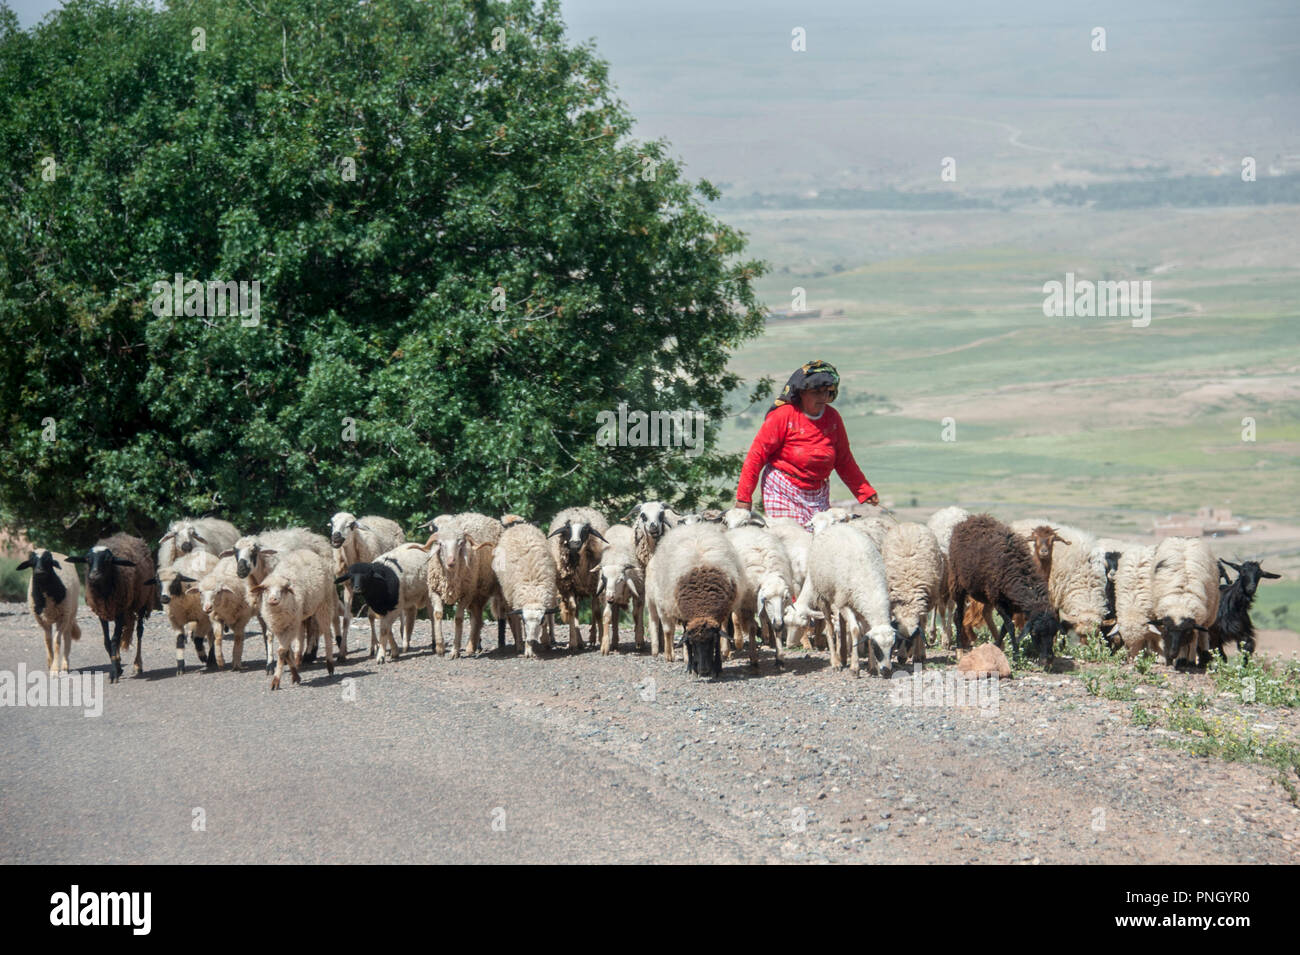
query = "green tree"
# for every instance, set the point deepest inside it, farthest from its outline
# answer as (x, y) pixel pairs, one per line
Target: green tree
(388, 172)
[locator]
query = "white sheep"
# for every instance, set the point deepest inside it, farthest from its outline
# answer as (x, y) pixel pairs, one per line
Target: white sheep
(576, 540)
(256, 556)
(942, 522)
(735, 517)
(1185, 594)
(797, 540)
(358, 540)
(649, 521)
(298, 598)
(767, 588)
(189, 534)
(525, 570)
(914, 566)
(52, 596)
(185, 609)
(1076, 582)
(847, 579)
(1135, 607)
(460, 576)
(224, 597)
(694, 578)
(832, 515)
(622, 585)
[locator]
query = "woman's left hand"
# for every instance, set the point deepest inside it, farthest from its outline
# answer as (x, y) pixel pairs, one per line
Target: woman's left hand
(873, 500)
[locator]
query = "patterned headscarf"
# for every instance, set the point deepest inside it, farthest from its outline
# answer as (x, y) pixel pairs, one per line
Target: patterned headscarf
(814, 374)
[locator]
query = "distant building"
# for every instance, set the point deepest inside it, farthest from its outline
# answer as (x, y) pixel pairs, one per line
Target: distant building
(1208, 520)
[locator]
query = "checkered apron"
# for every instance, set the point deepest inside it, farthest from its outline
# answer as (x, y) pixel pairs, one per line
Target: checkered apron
(783, 498)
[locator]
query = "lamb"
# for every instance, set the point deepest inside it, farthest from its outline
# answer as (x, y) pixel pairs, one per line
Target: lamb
(649, 521)
(224, 597)
(942, 522)
(355, 541)
(989, 561)
(525, 571)
(1134, 604)
(460, 576)
(796, 540)
(195, 533)
(1232, 622)
(576, 538)
(1076, 580)
(1185, 593)
(695, 578)
(185, 609)
(52, 596)
(118, 574)
(297, 597)
(914, 567)
(847, 579)
(622, 584)
(766, 588)
(396, 584)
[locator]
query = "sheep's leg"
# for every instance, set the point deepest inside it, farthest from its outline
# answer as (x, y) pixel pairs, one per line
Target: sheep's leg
(297, 643)
(236, 658)
(855, 634)
(329, 644)
(408, 624)
(457, 624)
(62, 646)
(670, 629)
(475, 628)
(610, 628)
(575, 629)
(216, 655)
(770, 634)
(139, 640)
(597, 633)
(751, 639)
(638, 622)
(180, 651)
(115, 650)
(374, 640)
(515, 632)
(49, 647)
(347, 618)
(548, 632)
(656, 630)
(437, 611)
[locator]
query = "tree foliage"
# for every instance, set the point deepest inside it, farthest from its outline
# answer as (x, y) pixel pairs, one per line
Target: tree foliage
(493, 163)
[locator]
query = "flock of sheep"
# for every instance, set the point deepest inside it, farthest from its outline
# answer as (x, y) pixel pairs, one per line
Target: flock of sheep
(730, 579)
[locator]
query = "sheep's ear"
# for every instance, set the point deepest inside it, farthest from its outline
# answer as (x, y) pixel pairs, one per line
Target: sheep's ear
(200, 538)
(1061, 540)
(636, 509)
(600, 587)
(428, 544)
(758, 519)
(166, 537)
(191, 590)
(364, 527)
(256, 589)
(266, 552)
(123, 562)
(1262, 573)
(514, 613)
(816, 615)
(28, 563)
(672, 516)
(76, 559)
(631, 585)
(550, 611)
(1236, 567)
(228, 552)
(188, 580)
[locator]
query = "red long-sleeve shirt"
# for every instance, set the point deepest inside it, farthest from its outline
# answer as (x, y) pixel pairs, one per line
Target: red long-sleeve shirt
(804, 450)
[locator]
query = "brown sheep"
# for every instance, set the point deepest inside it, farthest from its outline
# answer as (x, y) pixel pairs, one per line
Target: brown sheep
(120, 587)
(988, 561)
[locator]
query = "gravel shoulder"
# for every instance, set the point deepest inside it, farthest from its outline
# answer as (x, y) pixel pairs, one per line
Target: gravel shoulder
(584, 758)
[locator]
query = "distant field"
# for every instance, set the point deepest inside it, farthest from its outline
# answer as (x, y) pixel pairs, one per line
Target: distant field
(1052, 412)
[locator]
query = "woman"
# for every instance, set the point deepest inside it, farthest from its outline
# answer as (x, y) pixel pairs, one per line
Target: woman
(801, 441)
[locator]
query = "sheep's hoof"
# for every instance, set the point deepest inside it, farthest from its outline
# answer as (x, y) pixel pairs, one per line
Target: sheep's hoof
(270, 668)
(296, 677)
(330, 668)
(275, 683)
(180, 667)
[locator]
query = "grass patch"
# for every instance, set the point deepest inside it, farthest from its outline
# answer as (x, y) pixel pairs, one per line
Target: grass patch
(1252, 680)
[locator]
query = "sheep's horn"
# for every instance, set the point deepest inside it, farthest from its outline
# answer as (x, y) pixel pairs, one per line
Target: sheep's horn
(630, 514)
(188, 580)
(596, 533)
(558, 531)
(166, 537)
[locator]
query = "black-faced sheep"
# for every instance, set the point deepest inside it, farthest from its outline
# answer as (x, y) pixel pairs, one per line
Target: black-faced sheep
(694, 578)
(394, 586)
(990, 562)
(576, 541)
(1185, 592)
(119, 588)
(52, 596)
(361, 540)
(184, 608)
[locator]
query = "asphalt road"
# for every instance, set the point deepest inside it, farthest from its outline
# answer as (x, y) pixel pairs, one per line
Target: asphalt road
(598, 759)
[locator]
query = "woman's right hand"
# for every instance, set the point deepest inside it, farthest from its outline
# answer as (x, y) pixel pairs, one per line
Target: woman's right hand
(747, 505)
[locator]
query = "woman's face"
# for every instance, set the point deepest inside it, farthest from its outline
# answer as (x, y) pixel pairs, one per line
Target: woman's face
(815, 400)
